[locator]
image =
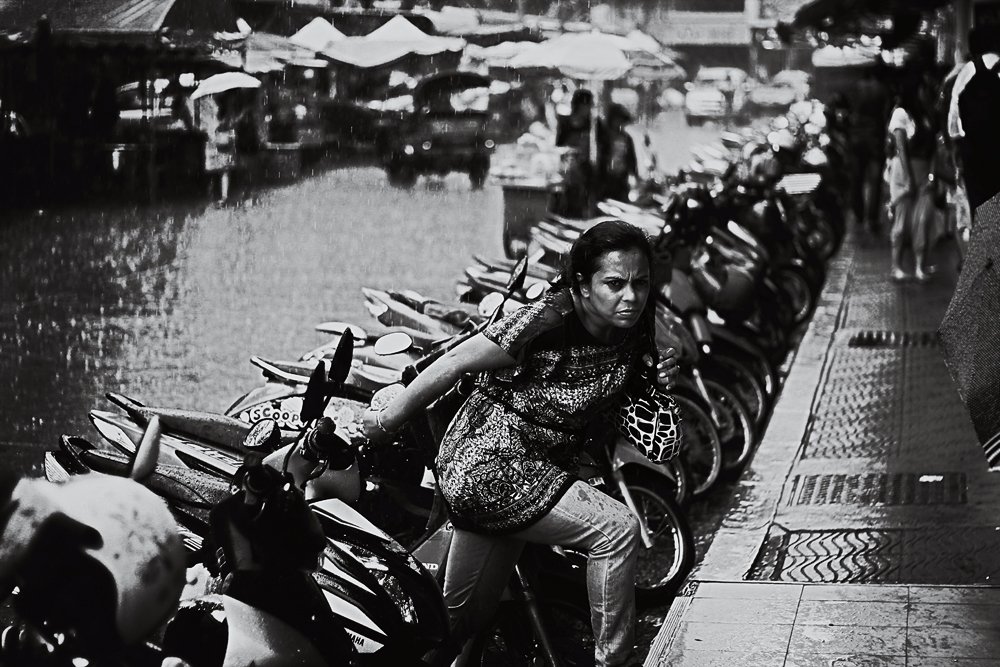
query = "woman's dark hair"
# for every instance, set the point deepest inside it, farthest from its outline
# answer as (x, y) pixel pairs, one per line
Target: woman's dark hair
(604, 237)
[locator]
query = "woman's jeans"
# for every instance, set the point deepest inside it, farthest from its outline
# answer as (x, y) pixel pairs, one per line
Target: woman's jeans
(586, 519)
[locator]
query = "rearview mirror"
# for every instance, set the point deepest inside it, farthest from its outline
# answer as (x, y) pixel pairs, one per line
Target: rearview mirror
(517, 276)
(536, 290)
(490, 303)
(393, 343)
(313, 402)
(147, 454)
(265, 436)
(340, 366)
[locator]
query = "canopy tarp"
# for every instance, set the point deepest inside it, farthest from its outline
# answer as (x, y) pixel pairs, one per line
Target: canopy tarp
(394, 40)
(499, 55)
(592, 56)
(317, 35)
(220, 83)
(453, 20)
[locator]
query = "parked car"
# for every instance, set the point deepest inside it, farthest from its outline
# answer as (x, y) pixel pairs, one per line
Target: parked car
(784, 88)
(715, 93)
(444, 130)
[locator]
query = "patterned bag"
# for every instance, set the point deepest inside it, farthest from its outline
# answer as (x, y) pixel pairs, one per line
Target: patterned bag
(649, 418)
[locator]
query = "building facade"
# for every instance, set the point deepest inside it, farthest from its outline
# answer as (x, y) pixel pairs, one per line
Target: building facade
(736, 33)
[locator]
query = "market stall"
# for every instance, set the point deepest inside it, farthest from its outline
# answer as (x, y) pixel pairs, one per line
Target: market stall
(532, 177)
(376, 73)
(91, 88)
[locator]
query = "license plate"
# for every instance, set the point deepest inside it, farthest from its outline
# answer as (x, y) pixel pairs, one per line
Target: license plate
(453, 126)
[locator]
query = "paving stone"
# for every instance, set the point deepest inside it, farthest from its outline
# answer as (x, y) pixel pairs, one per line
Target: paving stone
(961, 616)
(748, 591)
(859, 593)
(851, 612)
(844, 660)
(954, 594)
(950, 662)
(953, 643)
(864, 640)
(730, 637)
(751, 612)
(723, 659)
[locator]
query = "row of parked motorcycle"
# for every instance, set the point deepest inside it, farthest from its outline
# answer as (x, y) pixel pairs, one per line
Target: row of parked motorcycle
(323, 549)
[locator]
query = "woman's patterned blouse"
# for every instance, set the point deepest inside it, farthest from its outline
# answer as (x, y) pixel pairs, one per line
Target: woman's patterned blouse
(512, 449)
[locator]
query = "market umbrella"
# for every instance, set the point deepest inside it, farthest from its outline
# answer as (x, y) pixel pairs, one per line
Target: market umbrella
(970, 330)
(219, 83)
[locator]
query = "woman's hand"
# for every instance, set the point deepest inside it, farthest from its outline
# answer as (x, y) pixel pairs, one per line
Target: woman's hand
(668, 368)
(375, 433)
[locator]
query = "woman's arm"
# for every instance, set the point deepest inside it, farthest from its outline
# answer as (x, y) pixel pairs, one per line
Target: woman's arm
(475, 355)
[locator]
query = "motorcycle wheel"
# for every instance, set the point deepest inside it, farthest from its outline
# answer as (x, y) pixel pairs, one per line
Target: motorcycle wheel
(662, 568)
(795, 288)
(701, 450)
(736, 427)
(750, 356)
(672, 482)
(745, 385)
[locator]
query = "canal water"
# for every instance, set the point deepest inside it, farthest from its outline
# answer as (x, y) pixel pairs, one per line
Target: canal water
(166, 303)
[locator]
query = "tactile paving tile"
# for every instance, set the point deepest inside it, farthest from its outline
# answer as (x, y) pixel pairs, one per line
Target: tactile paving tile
(879, 402)
(944, 556)
(873, 309)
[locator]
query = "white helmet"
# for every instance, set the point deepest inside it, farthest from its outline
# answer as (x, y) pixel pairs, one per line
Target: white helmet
(98, 555)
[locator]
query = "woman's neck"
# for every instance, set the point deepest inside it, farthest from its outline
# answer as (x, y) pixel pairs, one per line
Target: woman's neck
(595, 326)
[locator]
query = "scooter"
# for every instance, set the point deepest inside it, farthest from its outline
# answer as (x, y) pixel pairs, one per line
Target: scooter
(388, 605)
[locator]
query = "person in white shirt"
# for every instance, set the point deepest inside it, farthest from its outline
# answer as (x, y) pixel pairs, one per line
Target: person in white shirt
(911, 128)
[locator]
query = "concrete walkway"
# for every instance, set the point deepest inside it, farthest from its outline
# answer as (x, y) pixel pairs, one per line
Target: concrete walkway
(867, 529)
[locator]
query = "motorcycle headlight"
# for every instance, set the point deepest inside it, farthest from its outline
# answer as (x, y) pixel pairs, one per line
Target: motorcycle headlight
(408, 149)
(300, 111)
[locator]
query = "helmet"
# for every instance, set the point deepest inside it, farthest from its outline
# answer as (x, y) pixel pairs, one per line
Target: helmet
(98, 557)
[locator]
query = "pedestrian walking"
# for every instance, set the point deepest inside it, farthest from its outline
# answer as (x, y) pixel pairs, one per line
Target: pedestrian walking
(973, 113)
(506, 466)
(911, 199)
(574, 132)
(616, 158)
(868, 118)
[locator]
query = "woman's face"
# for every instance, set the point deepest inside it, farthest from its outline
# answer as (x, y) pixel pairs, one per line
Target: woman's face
(616, 293)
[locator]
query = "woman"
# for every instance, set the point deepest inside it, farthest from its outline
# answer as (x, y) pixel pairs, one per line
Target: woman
(910, 197)
(506, 464)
